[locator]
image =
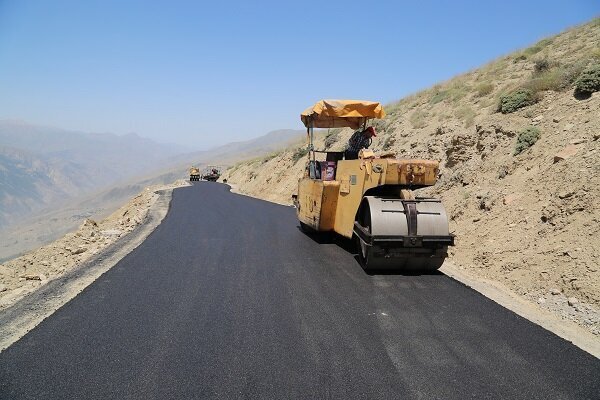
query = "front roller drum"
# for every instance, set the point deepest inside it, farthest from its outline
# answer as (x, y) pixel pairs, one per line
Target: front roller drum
(407, 235)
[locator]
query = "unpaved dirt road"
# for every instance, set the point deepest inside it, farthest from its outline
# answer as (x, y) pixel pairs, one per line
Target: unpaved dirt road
(228, 299)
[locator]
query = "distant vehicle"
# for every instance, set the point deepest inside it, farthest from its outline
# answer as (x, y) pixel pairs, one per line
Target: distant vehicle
(370, 199)
(194, 174)
(211, 173)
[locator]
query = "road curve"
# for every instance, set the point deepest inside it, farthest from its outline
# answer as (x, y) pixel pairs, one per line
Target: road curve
(227, 299)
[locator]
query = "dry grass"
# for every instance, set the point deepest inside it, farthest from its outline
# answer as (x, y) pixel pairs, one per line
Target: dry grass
(484, 89)
(465, 114)
(418, 119)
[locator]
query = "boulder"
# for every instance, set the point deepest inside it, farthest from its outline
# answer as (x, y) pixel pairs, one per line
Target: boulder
(569, 151)
(511, 198)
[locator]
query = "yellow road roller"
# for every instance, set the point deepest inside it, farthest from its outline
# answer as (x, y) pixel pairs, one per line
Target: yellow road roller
(371, 199)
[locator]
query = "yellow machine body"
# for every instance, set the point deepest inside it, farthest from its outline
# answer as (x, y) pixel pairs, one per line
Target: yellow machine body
(332, 205)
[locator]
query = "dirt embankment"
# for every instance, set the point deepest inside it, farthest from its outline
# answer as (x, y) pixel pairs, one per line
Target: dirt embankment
(25, 274)
(530, 221)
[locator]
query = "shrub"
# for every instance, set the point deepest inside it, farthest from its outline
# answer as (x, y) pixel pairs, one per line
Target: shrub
(589, 81)
(466, 114)
(536, 48)
(388, 143)
(299, 153)
(552, 79)
(572, 72)
(458, 91)
(526, 139)
(542, 65)
(483, 89)
(520, 57)
(269, 157)
(439, 96)
(417, 119)
(519, 98)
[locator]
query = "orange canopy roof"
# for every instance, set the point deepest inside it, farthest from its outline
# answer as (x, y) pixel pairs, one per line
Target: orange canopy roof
(341, 113)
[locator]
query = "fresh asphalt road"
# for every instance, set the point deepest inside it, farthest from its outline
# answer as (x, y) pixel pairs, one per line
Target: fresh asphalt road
(228, 299)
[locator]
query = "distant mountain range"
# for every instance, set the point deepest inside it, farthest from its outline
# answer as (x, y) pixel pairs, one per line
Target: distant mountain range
(44, 169)
(40, 166)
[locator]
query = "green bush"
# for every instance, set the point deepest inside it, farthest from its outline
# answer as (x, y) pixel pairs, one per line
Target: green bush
(526, 139)
(519, 98)
(589, 81)
(299, 153)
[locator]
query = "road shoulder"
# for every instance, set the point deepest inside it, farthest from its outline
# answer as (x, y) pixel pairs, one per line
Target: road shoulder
(567, 330)
(26, 313)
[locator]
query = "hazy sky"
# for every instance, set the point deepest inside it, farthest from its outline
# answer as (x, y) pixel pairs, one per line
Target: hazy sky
(211, 72)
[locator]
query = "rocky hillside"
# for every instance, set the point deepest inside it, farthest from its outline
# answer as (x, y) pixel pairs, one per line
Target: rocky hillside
(518, 141)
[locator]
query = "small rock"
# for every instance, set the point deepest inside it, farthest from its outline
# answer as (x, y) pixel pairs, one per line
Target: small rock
(565, 194)
(578, 141)
(3, 288)
(541, 300)
(539, 118)
(568, 127)
(554, 291)
(111, 232)
(89, 222)
(511, 198)
(572, 301)
(79, 251)
(476, 219)
(32, 277)
(556, 120)
(568, 152)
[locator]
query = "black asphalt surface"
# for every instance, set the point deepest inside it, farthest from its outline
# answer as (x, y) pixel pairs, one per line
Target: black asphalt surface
(227, 299)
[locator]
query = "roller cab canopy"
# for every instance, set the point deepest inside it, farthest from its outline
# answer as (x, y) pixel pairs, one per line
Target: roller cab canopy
(341, 113)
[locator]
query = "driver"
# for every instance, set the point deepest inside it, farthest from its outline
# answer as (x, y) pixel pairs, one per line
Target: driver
(359, 140)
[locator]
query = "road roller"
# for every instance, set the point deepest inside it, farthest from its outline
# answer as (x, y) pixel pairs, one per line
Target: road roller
(194, 174)
(371, 200)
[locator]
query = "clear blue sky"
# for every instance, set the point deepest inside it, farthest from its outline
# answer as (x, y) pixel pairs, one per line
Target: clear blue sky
(206, 73)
